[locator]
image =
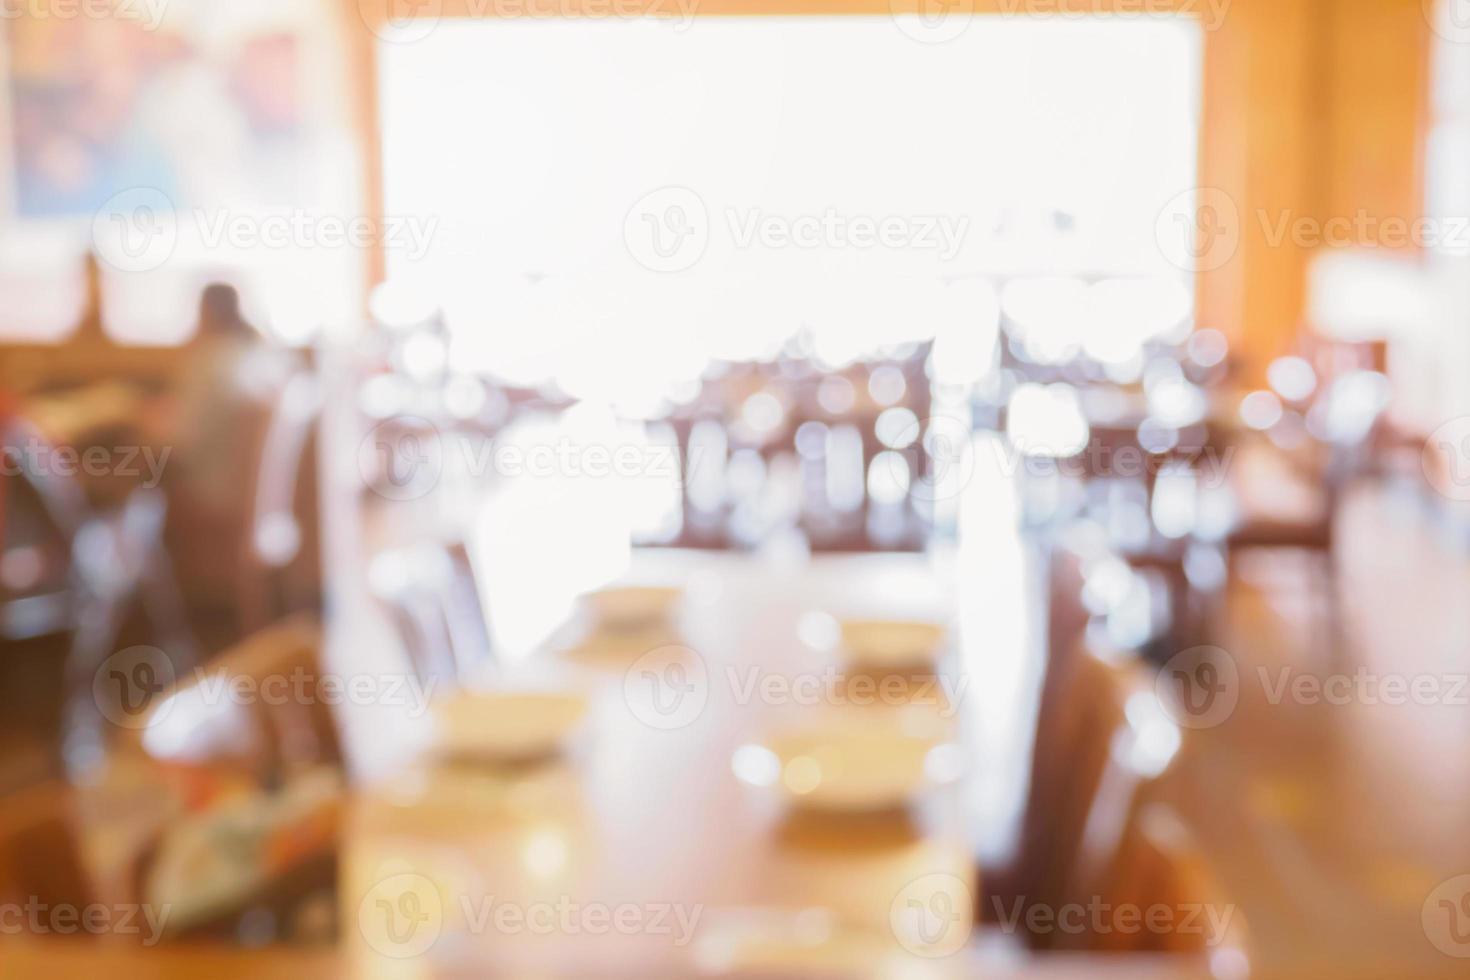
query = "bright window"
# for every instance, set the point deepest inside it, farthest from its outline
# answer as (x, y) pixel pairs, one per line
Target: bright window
(688, 191)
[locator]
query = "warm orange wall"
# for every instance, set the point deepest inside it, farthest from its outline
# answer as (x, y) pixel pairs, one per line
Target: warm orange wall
(1313, 107)
(1378, 64)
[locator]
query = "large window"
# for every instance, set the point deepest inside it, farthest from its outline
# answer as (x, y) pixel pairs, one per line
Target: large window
(710, 188)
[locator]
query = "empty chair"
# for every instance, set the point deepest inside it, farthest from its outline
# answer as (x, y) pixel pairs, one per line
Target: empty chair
(432, 595)
(281, 533)
(1158, 863)
(40, 855)
(116, 566)
(282, 723)
(1101, 738)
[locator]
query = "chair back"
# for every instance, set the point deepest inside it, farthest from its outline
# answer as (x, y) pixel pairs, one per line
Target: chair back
(1101, 738)
(257, 706)
(431, 593)
(281, 528)
(769, 445)
(1159, 863)
(40, 856)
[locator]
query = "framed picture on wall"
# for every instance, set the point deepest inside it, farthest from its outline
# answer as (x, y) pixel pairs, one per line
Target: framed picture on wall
(201, 109)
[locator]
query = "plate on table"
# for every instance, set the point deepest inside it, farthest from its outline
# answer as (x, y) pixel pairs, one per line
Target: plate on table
(810, 942)
(849, 767)
(507, 726)
(633, 607)
(892, 644)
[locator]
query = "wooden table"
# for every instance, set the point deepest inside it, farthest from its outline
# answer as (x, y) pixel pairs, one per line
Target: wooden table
(648, 814)
(655, 822)
(73, 958)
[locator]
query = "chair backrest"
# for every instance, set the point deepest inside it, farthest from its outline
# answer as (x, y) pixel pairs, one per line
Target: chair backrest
(431, 593)
(40, 856)
(62, 500)
(1056, 721)
(823, 435)
(1142, 747)
(281, 530)
(1097, 744)
(258, 705)
(1159, 863)
(1073, 770)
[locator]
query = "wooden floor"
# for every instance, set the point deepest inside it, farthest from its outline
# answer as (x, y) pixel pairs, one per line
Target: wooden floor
(1333, 822)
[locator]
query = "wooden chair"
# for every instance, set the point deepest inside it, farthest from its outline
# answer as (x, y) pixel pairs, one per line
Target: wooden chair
(1022, 872)
(431, 593)
(803, 389)
(289, 727)
(1092, 755)
(116, 567)
(1285, 506)
(40, 859)
(1158, 862)
(282, 531)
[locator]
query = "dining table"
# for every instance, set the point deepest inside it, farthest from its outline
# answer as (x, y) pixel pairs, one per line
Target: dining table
(661, 840)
